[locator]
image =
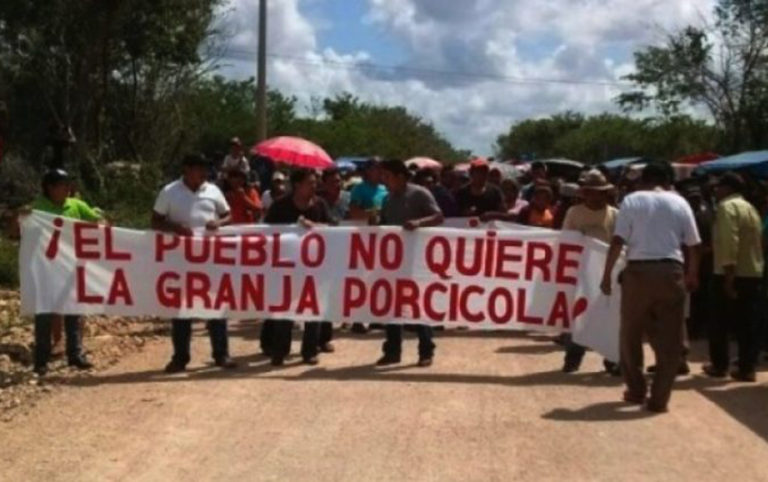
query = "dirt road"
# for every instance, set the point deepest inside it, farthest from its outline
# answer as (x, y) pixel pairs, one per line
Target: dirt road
(494, 407)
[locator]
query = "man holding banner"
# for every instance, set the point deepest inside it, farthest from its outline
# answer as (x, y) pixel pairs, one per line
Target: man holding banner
(411, 207)
(182, 206)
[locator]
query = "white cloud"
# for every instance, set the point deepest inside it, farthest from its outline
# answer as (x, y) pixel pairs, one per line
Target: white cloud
(501, 39)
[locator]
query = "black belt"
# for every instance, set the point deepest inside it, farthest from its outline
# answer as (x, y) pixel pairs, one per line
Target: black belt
(655, 261)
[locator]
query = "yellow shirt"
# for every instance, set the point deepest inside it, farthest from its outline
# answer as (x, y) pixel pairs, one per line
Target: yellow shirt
(595, 224)
(737, 238)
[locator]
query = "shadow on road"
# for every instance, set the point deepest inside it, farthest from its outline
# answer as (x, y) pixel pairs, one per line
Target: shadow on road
(600, 412)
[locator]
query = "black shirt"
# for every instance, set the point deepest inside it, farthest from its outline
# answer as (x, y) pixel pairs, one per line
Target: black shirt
(285, 211)
(489, 201)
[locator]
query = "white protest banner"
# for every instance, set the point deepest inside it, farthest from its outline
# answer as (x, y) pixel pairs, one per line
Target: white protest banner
(487, 279)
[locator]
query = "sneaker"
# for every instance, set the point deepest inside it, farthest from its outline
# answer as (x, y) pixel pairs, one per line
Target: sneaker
(425, 362)
(742, 376)
(712, 372)
(327, 348)
(388, 360)
(226, 363)
(312, 361)
(175, 367)
(80, 363)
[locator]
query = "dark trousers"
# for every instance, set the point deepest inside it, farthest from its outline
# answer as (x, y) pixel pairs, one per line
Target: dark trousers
(393, 346)
(181, 334)
(43, 325)
(276, 335)
(653, 306)
(741, 316)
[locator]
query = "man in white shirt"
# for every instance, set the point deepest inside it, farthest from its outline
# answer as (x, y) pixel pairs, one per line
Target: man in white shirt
(182, 206)
(654, 225)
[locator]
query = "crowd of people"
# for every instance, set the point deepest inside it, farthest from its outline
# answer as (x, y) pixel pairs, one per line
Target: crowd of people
(702, 238)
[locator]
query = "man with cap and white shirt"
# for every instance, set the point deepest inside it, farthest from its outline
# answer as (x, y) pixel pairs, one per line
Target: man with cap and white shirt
(235, 160)
(654, 225)
(184, 205)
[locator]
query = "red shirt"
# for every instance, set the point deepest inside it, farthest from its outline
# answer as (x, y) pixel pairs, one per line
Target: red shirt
(241, 213)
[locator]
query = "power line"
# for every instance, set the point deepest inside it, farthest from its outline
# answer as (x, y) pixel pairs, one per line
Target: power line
(243, 54)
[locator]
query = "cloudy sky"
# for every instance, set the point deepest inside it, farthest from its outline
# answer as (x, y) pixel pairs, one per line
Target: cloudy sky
(471, 67)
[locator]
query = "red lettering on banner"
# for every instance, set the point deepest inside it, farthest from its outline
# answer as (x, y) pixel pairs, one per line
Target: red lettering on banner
(82, 242)
(381, 289)
(454, 303)
(198, 288)
(221, 246)
(503, 317)
(476, 265)
(429, 295)
(439, 266)
(276, 261)
(225, 294)
(564, 262)
(82, 295)
(319, 256)
(541, 262)
(354, 295)
(559, 315)
(253, 249)
(391, 251)
(407, 294)
(111, 253)
(522, 316)
(163, 243)
(252, 293)
(189, 249)
(308, 299)
(168, 296)
(504, 256)
(286, 301)
(361, 252)
(120, 289)
(490, 253)
(464, 304)
(53, 245)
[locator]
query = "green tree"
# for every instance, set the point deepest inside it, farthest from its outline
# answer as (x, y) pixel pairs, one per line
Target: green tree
(722, 69)
(536, 138)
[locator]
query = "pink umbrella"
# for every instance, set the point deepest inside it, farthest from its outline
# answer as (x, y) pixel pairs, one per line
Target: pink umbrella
(424, 163)
(294, 151)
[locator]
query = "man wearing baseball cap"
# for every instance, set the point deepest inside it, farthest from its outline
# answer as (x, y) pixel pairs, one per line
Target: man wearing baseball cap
(55, 199)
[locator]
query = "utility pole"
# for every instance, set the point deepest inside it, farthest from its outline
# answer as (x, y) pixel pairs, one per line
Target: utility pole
(261, 91)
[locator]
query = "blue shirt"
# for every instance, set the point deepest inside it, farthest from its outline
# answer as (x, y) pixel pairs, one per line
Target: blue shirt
(367, 196)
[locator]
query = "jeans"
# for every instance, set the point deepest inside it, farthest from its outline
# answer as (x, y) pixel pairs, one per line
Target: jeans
(393, 346)
(741, 316)
(276, 336)
(43, 324)
(181, 334)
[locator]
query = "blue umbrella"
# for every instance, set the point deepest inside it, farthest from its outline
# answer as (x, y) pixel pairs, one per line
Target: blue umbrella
(621, 163)
(754, 162)
(350, 163)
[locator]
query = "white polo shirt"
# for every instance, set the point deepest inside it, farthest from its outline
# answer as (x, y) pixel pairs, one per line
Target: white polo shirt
(655, 225)
(191, 209)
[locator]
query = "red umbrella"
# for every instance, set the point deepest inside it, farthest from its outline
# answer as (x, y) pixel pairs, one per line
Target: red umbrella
(424, 163)
(697, 159)
(294, 151)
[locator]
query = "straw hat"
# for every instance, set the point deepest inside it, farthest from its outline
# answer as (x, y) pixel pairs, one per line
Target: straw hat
(594, 180)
